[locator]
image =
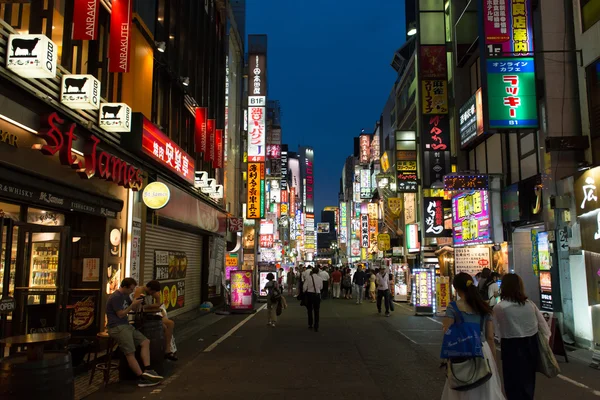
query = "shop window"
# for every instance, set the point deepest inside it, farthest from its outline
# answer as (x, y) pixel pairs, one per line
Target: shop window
(16, 15)
(11, 211)
(593, 79)
(590, 13)
(45, 217)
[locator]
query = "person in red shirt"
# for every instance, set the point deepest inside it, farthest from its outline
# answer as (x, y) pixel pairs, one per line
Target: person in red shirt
(336, 278)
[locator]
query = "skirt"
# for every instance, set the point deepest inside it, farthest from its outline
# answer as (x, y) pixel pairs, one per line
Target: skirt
(491, 390)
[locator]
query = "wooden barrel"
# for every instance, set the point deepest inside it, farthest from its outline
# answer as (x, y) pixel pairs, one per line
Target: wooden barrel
(153, 330)
(48, 379)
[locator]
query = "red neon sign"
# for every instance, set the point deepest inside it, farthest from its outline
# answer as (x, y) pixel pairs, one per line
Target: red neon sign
(95, 163)
(162, 149)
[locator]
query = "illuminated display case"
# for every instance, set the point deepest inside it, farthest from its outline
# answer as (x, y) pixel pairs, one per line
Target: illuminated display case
(43, 273)
(423, 293)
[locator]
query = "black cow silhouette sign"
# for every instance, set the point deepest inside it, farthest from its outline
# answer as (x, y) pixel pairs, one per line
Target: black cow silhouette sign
(24, 44)
(111, 110)
(76, 83)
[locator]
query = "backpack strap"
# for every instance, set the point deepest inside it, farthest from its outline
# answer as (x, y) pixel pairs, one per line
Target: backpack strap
(457, 314)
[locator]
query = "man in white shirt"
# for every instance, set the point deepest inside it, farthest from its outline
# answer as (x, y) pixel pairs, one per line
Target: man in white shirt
(313, 288)
(383, 290)
(325, 276)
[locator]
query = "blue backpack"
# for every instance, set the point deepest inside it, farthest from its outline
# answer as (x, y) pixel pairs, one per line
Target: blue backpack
(462, 339)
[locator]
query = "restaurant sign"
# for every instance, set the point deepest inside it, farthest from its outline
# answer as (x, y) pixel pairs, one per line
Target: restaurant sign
(471, 119)
(31, 56)
(364, 231)
(436, 135)
(80, 92)
(253, 210)
(95, 163)
(115, 117)
(434, 217)
(435, 96)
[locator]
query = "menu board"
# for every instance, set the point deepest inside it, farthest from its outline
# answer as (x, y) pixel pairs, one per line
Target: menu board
(546, 290)
(169, 265)
(471, 218)
(241, 290)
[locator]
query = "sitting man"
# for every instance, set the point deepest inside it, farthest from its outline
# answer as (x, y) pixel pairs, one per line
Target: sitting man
(152, 302)
(118, 306)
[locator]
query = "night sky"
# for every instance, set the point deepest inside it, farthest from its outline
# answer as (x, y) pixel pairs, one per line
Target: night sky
(329, 66)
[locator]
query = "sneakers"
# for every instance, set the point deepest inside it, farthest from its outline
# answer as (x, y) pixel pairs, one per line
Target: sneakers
(151, 375)
(387, 314)
(145, 382)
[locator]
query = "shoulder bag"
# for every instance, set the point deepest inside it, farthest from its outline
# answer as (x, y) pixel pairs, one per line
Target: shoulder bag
(547, 363)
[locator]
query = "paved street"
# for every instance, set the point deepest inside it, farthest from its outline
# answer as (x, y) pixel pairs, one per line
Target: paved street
(356, 355)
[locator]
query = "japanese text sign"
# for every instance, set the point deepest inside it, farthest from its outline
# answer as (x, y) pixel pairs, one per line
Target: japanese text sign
(365, 148)
(256, 134)
(471, 260)
(119, 46)
(471, 218)
(433, 62)
(508, 27)
(511, 93)
(434, 216)
(85, 19)
(364, 231)
(435, 96)
(436, 164)
(395, 206)
(266, 241)
(159, 147)
(586, 191)
(471, 119)
(436, 134)
(253, 210)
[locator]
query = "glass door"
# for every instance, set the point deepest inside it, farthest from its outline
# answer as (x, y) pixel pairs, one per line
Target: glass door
(42, 254)
(8, 260)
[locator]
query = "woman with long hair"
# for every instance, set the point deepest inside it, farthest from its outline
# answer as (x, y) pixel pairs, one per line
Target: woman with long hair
(518, 323)
(473, 308)
(270, 288)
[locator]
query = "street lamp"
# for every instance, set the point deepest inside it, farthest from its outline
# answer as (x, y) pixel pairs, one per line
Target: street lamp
(334, 246)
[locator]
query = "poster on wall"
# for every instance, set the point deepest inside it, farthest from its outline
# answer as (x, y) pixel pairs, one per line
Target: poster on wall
(435, 96)
(471, 260)
(91, 270)
(241, 290)
(136, 248)
(172, 294)
(170, 265)
(546, 290)
(543, 248)
(471, 218)
(114, 278)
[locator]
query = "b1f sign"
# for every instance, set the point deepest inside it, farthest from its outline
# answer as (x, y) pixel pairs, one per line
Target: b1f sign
(31, 56)
(80, 92)
(115, 117)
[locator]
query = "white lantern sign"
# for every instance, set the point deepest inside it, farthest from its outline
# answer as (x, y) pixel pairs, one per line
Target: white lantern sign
(80, 92)
(218, 193)
(31, 56)
(115, 117)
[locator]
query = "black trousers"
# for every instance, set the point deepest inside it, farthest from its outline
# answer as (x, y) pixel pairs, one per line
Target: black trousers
(325, 291)
(519, 364)
(313, 305)
(385, 295)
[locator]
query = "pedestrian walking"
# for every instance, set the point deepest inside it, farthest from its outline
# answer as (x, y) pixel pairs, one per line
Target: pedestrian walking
(391, 290)
(473, 309)
(383, 291)
(347, 284)
(336, 279)
(372, 285)
(493, 291)
(518, 322)
(485, 274)
(359, 279)
(325, 276)
(313, 287)
(291, 281)
(273, 298)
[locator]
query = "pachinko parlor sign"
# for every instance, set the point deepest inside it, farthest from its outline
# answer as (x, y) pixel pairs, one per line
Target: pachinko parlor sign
(59, 138)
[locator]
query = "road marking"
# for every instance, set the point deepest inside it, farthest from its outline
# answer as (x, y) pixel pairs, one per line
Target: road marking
(434, 320)
(232, 330)
(400, 332)
(579, 384)
(421, 330)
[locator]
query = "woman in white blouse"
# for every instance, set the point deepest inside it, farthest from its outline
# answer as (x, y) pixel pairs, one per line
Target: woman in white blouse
(518, 323)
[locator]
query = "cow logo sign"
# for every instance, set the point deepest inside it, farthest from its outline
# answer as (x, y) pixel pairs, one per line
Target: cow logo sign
(115, 117)
(80, 92)
(31, 56)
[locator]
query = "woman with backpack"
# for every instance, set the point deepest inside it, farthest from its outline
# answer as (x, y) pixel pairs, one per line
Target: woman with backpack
(273, 298)
(472, 309)
(519, 322)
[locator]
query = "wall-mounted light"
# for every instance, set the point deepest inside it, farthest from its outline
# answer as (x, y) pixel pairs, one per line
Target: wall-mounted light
(161, 46)
(185, 81)
(412, 29)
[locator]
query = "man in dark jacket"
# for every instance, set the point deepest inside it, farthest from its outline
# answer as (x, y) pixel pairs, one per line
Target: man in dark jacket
(359, 279)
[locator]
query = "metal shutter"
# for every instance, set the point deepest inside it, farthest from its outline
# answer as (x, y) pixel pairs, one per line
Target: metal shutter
(161, 238)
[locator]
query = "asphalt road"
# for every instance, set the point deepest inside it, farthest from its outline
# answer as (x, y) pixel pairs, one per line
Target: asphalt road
(357, 354)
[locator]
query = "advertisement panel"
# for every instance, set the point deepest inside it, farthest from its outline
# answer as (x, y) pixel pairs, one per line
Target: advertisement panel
(257, 134)
(310, 183)
(434, 217)
(435, 96)
(119, 45)
(343, 223)
(433, 62)
(508, 27)
(423, 288)
(471, 260)
(170, 265)
(253, 210)
(436, 133)
(471, 119)
(365, 184)
(546, 291)
(172, 294)
(241, 290)
(200, 135)
(31, 56)
(365, 148)
(323, 227)
(284, 167)
(512, 100)
(471, 218)
(364, 231)
(544, 257)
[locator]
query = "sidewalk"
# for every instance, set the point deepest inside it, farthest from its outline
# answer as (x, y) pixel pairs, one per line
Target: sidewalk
(188, 326)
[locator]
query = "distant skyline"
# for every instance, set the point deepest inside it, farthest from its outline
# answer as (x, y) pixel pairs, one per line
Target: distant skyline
(329, 66)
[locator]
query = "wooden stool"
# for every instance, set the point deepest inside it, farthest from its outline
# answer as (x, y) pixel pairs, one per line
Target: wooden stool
(107, 365)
